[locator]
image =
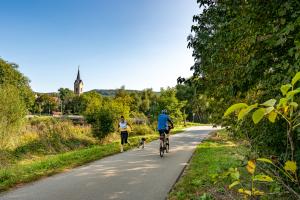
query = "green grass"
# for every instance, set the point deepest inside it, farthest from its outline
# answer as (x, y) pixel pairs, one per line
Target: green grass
(24, 170)
(213, 156)
(48, 165)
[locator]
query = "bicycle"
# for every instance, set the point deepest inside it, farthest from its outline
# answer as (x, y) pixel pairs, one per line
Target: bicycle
(163, 146)
(167, 139)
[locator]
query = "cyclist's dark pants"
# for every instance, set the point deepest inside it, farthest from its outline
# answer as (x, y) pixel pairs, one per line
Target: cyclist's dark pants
(124, 137)
(162, 133)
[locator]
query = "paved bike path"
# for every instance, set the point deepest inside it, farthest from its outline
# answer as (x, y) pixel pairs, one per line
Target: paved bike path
(135, 174)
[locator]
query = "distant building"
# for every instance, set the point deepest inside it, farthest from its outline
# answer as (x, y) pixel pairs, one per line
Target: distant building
(78, 84)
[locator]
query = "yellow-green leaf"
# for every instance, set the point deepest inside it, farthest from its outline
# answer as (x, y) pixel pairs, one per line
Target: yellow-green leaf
(234, 184)
(268, 110)
(296, 78)
(262, 178)
(282, 103)
(245, 111)
(264, 160)
(235, 175)
(258, 115)
(243, 191)
(290, 166)
(234, 108)
(294, 104)
(269, 103)
(272, 116)
(285, 88)
(293, 92)
(258, 192)
(242, 113)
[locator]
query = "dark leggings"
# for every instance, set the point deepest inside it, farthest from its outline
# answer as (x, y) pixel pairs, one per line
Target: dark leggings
(124, 137)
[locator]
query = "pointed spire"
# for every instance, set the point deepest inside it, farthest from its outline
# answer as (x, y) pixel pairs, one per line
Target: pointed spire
(78, 74)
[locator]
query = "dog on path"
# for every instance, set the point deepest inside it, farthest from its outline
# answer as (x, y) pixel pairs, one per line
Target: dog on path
(142, 143)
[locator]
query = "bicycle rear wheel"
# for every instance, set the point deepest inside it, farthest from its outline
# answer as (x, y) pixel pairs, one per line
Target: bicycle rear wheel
(167, 146)
(161, 151)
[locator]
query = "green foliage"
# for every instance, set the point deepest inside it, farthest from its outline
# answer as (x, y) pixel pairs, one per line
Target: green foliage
(49, 136)
(46, 103)
(167, 100)
(244, 51)
(197, 106)
(12, 113)
(66, 96)
(9, 75)
(104, 117)
(142, 130)
(234, 108)
(286, 108)
(48, 165)
(212, 156)
(258, 178)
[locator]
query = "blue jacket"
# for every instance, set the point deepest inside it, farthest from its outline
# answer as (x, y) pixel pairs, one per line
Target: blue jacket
(163, 120)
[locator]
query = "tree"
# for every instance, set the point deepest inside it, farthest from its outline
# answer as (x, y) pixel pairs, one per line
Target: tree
(10, 75)
(12, 112)
(167, 100)
(245, 50)
(46, 103)
(104, 117)
(66, 96)
(91, 102)
(242, 48)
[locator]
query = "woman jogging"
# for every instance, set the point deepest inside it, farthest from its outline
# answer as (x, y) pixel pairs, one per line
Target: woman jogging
(123, 125)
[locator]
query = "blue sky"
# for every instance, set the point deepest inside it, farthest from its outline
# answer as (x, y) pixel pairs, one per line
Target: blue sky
(136, 43)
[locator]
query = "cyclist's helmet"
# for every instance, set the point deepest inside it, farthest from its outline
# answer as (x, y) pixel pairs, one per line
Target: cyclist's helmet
(164, 111)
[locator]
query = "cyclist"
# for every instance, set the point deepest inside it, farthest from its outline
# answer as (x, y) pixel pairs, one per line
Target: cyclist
(163, 124)
(124, 132)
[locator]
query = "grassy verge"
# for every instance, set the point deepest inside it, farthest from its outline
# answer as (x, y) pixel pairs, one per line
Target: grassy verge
(213, 156)
(48, 165)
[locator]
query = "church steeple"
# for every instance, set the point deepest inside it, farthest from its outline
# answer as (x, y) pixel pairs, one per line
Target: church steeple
(78, 75)
(78, 84)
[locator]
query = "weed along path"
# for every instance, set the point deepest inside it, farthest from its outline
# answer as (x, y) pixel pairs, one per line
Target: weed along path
(135, 174)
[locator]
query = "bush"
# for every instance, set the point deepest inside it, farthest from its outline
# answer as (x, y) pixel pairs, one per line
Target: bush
(49, 135)
(103, 119)
(142, 130)
(12, 113)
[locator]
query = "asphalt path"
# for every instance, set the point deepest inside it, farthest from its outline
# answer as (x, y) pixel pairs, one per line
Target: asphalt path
(134, 174)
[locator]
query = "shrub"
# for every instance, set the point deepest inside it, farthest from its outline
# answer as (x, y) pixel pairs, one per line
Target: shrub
(49, 135)
(12, 113)
(142, 130)
(103, 119)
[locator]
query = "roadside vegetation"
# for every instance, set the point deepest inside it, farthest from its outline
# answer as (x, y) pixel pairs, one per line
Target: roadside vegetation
(60, 146)
(212, 157)
(246, 77)
(34, 144)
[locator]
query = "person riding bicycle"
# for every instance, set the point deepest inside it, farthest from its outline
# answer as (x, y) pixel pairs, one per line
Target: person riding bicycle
(163, 124)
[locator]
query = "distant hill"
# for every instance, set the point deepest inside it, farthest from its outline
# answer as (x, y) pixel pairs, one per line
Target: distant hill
(103, 92)
(112, 92)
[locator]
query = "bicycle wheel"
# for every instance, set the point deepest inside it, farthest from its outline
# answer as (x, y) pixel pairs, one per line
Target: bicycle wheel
(167, 146)
(161, 151)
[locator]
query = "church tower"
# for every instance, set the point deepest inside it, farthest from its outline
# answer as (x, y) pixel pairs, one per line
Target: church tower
(78, 84)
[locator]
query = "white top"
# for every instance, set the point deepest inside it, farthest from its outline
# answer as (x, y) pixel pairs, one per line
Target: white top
(123, 126)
